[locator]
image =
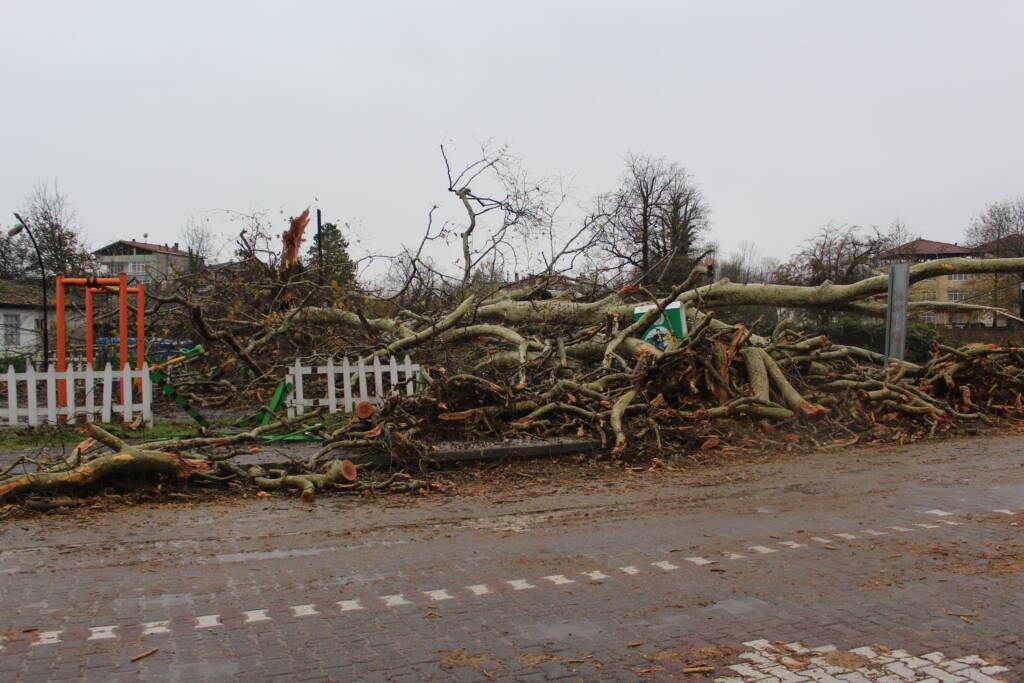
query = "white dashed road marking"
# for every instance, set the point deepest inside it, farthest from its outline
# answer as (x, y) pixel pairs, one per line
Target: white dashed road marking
(304, 610)
(729, 555)
(48, 637)
(699, 561)
(848, 537)
(667, 566)
(208, 621)
(394, 600)
(595, 575)
(439, 595)
(558, 579)
(479, 589)
(153, 627)
(939, 513)
(762, 549)
(349, 605)
(255, 615)
(101, 632)
(632, 571)
(520, 584)
(792, 544)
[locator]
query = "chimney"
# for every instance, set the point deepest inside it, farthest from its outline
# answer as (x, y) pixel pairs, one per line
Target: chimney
(176, 246)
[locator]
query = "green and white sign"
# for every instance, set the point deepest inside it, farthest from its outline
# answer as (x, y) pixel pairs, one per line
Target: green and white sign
(671, 324)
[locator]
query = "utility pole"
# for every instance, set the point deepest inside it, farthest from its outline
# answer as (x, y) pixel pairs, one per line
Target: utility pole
(320, 246)
(320, 255)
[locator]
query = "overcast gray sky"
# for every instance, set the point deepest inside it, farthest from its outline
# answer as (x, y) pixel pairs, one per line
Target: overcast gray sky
(789, 114)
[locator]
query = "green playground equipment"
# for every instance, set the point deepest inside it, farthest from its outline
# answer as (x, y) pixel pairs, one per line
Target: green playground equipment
(159, 378)
(265, 414)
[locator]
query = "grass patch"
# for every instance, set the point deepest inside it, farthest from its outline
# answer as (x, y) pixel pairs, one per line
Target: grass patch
(51, 435)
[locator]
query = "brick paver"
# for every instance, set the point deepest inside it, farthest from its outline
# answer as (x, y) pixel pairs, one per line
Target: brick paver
(900, 564)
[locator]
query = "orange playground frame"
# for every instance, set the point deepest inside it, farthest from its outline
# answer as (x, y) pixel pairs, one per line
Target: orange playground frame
(101, 285)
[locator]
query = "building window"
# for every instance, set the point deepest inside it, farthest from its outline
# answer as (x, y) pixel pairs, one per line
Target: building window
(957, 295)
(928, 318)
(958, 277)
(12, 330)
(136, 268)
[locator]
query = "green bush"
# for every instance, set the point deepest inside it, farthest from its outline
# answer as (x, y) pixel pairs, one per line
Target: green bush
(870, 334)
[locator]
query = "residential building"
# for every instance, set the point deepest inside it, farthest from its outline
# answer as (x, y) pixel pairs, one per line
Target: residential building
(143, 261)
(952, 288)
(21, 317)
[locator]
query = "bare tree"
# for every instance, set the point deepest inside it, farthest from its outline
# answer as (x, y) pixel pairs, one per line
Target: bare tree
(840, 254)
(16, 256)
(653, 222)
(741, 265)
(516, 200)
(199, 240)
(999, 231)
(55, 225)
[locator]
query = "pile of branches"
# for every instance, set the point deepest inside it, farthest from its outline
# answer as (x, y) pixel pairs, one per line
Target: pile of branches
(527, 362)
(721, 381)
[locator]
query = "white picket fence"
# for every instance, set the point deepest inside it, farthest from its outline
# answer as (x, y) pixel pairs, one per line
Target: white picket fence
(385, 377)
(96, 389)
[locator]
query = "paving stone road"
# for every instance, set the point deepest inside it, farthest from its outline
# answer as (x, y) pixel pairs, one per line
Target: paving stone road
(873, 564)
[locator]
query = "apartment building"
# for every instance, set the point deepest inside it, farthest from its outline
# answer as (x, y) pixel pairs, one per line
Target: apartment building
(143, 261)
(985, 290)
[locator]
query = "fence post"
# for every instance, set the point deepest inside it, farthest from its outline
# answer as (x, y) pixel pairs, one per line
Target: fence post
(90, 387)
(33, 409)
(12, 396)
(378, 381)
(361, 368)
(346, 377)
(393, 367)
(106, 413)
(332, 394)
(289, 399)
(51, 394)
(147, 396)
(72, 404)
(126, 391)
(300, 401)
(410, 379)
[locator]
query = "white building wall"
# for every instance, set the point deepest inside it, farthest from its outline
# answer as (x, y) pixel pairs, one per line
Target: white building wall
(20, 330)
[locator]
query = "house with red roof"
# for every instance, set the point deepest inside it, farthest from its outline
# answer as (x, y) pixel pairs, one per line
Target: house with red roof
(144, 261)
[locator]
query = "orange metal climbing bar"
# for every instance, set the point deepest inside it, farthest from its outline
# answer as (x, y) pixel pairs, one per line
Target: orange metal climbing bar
(100, 285)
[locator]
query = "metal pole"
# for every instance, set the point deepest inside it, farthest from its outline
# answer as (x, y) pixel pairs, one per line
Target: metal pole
(896, 312)
(42, 273)
(320, 255)
(320, 246)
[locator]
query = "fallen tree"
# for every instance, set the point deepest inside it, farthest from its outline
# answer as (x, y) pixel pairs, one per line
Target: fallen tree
(527, 362)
